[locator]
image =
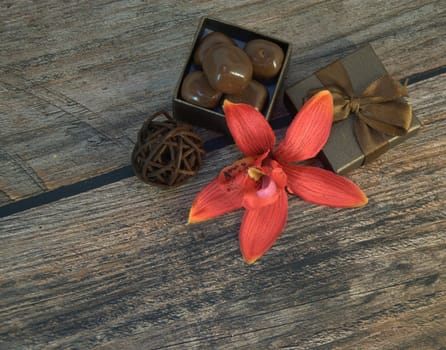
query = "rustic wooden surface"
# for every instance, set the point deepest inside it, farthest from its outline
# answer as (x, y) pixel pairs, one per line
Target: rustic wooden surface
(116, 267)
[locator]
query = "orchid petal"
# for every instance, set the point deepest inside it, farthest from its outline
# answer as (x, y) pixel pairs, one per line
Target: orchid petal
(225, 193)
(309, 130)
(215, 200)
(241, 167)
(278, 175)
(323, 187)
(250, 130)
(261, 227)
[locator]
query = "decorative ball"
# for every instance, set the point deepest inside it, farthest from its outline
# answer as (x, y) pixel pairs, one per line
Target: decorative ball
(166, 153)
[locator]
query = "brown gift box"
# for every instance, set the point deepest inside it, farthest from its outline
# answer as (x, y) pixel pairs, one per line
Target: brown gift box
(214, 119)
(342, 151)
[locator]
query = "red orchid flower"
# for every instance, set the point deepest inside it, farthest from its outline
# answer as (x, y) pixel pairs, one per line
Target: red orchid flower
(258, 181)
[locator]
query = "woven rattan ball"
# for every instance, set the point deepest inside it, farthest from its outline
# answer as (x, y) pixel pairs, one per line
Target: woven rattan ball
(166, 153)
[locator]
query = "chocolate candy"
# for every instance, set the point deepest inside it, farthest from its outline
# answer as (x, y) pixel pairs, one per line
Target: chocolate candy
(196, 89)
(228, 68)
(266, 57)
(208, 42)
(254, 94)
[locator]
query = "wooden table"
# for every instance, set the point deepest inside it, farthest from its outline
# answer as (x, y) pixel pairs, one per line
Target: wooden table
(90, 257)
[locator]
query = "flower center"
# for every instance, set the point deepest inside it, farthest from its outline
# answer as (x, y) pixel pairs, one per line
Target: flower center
(267, 187)
(255, 174)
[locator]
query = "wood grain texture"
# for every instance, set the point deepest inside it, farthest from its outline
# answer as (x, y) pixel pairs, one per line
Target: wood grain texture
(77, 79)
(118, 268)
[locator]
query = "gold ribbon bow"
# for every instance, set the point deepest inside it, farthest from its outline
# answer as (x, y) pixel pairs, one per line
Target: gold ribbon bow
(379, 109)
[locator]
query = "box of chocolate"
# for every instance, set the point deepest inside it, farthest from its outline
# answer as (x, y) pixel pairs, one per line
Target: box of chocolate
(229, 62)
(370, 111)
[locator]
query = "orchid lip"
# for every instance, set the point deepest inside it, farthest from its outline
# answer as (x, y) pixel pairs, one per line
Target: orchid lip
(268, 188)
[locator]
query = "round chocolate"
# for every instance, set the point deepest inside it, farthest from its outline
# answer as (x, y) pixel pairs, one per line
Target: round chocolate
(209, 41)
(254, 94)
(196, 90)
(228, 68)
(266, 57)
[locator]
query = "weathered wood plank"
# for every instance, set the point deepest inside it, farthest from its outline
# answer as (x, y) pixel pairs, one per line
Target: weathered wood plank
(82, 77)
(118, 267)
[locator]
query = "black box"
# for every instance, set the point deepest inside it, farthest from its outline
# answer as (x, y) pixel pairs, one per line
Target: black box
(342, 152)
(214, 119)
